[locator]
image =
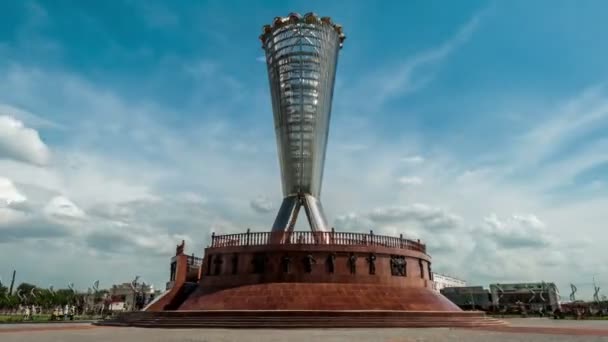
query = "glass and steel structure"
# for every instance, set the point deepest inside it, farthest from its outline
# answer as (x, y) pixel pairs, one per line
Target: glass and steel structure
(301, 56)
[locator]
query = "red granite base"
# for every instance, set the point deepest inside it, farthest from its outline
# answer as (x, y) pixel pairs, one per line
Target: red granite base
(354, 280)
(304, 319)
(320, 296)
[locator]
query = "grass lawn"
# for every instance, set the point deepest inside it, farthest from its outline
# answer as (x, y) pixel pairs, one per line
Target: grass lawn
(40, 318)
(587, 318)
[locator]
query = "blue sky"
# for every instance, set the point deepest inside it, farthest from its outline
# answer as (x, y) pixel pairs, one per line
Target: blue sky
(477, 126)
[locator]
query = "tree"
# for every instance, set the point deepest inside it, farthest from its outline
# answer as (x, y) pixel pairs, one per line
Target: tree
(9, 302)
(44, 298)
(25, 288)
(64, 296)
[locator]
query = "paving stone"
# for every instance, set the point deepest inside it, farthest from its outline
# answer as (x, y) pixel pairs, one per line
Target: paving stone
(76, 333)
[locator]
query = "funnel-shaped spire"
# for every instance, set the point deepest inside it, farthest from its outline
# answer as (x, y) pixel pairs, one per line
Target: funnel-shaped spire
(301, 55)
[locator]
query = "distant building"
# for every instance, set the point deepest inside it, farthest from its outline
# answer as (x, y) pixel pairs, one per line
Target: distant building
(118, 306)
(468, 297)
(123, 298)
(532, 296)
(441, 281)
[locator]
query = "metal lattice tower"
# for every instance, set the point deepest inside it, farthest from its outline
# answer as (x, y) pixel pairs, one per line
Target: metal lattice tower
(301, 56)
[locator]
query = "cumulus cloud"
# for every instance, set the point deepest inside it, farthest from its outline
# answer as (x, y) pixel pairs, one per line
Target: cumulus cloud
(191, 198)
(61, 207)
(125, 239)
(449, 243)
(149, 226)
(410, 181)
(427, 216)
(25, 218)
(353, 222)
(412, 159)
(21, 143)
(29, 119)
(517, 231)
(261, 205)
(17, 226)
(9, 195)
(413, 73)
(10, 216)
(173, 215)
(101, 198)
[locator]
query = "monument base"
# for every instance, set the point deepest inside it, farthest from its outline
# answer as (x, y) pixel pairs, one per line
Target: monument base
(252, 319)
(306, 279)
(320, 297)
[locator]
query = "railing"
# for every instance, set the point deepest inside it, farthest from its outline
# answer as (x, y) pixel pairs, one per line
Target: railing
(315, 238)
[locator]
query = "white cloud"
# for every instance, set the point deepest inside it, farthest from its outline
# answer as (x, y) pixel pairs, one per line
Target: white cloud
(518, 231)
(202, 68)
(596, 185)
(530, 220)
(413, 159)
(62, 208)
(192, 198)
(130, 205)
(564, 141)
(408, 181)
(405, 77)
(91, 178)
(205, 70)
(261, 205)
(22, 217)
(132, 240)
(9, 216)
(353, 222)
(355, 147)
(21, 143)
(9, 193)
(28, 118)
(568, 121)
(429, 217)
(122, 185)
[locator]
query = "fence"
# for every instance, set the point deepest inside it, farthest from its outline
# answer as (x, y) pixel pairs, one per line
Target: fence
(315, 238)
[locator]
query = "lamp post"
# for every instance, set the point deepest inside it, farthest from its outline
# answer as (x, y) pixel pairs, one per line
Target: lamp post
(472, 299)
(95, 295)
(134, 289)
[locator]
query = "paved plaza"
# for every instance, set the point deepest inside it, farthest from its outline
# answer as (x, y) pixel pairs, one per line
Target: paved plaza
(520, 330)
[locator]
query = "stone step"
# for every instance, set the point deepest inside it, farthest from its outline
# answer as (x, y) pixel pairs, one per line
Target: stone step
(296, 318)
(236, 321)
(318, 323)
(303, 319)
(265, 322)
(286, 319)
(315, 325)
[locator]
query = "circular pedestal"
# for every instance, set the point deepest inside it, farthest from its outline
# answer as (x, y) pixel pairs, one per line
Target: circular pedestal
(319, 297)
(304, 319)
(353, 283)
(316, 277)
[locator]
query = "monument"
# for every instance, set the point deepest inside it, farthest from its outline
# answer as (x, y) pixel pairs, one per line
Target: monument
(301, 56)
(316, 278)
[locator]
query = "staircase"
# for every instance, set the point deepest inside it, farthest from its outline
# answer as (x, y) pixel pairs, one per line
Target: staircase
(304, 319)
(171, 299)
(181, 296)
